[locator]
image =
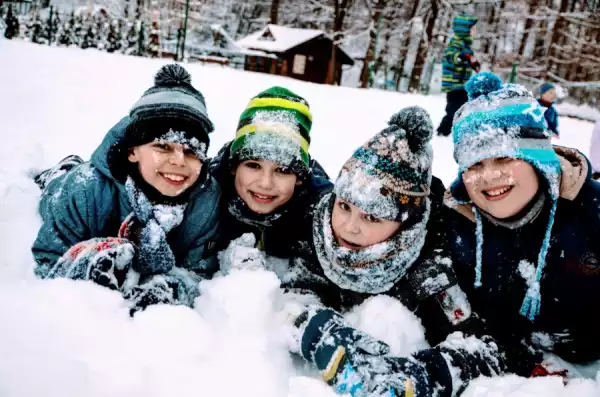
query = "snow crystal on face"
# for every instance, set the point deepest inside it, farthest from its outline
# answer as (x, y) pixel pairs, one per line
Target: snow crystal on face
(487, 142)
(180, 138)
(360, 187)
(387, 320)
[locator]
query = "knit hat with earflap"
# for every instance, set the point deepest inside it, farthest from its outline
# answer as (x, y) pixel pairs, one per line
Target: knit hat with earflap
(275, 126)
(172, 110)
(462, 24)
(505, 120)
(391, 173)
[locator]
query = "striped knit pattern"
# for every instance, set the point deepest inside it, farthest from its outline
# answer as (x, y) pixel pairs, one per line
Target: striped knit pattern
(281, 121)
(455, 72)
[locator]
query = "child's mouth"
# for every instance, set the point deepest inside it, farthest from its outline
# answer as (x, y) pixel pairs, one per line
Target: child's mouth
(174, 179)
(497, 193)
(262, 198)
(348, 244)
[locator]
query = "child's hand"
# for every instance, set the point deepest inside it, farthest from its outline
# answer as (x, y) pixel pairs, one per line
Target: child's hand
(154, 292)
(104, 260)
(242, 254)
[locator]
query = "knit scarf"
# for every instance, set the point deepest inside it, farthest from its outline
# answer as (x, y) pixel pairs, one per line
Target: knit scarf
(240, 211)
(374, 269)
(148, 226)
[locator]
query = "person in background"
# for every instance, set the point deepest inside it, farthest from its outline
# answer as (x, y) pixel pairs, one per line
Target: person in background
(546, 99)
(458, 63)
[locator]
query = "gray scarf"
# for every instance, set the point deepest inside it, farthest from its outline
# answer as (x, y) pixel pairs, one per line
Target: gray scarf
(147, 227)
(373, 269)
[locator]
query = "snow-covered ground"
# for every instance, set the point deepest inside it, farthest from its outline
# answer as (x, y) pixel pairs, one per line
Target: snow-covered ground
(65, 338)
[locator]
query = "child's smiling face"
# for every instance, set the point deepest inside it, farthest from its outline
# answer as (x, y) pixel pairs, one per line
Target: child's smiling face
(355, 229)
(502, 187)
(168, 167)
(264, 185)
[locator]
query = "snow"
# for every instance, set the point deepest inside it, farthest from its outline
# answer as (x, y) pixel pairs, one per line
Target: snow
(72, 338)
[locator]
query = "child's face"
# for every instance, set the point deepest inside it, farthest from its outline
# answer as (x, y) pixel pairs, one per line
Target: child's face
(168, 167)
(502, 187)
(264, 185)
(549, 96)
(355, 229)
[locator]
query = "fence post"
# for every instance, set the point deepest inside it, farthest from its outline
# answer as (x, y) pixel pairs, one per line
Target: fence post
(513, 73)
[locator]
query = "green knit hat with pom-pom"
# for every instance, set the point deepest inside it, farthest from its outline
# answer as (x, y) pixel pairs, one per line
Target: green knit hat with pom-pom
(275, 126)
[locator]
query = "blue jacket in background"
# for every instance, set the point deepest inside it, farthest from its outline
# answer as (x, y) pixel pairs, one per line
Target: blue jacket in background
(570, 286)
(551, 116)
(279, 238)
(91, 201)
(456, 71)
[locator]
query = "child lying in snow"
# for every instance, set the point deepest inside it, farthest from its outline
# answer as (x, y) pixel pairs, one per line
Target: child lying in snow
(144, 206)
(375, 234)
(267, 174)
(525, 223)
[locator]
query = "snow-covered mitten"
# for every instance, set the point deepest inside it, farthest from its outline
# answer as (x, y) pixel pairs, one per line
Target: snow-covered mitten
(388, 376)
(103, 260)
(338, 350)
(63, 166)
(153, 292)
(242, 254)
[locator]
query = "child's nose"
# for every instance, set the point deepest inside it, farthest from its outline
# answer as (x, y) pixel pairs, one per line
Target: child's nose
(177, 157)
(352, 225)
(265, 180)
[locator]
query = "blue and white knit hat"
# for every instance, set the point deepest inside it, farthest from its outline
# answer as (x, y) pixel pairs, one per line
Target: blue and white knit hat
(505, 120)
(172, 109)
(547, 86)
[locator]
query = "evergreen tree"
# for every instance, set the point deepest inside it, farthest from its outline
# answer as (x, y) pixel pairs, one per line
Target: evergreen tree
(36, 30)
(141, 42)
(89, 33)
(12, 24)
(67, 31)
(131, 39)
(114, 36)
(153, 48)
(78, 32)
(102, 28)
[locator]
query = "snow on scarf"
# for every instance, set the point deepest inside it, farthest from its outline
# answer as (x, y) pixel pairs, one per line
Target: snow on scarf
(373, 269)
(154, 255)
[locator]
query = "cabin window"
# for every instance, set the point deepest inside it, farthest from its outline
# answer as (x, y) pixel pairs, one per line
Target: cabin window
(299, 64)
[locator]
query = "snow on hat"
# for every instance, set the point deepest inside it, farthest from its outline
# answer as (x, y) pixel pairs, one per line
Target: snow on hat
(275, 126)
(171, 110)
(462, 24)
(391, 173)
(546, 87)
(505, 120)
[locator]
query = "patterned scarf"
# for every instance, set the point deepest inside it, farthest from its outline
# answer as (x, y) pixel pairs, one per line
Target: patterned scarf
(374, 269)
(147, 226)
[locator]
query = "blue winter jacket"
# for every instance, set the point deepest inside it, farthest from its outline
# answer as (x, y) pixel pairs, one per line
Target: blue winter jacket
(570, 285)
(91, 201)
(551, 116)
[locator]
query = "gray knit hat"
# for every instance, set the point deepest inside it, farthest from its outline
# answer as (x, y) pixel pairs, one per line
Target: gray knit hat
(173, 110)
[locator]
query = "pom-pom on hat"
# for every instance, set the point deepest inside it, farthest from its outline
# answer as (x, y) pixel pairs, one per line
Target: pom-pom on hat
(390, 175)
(171, 110)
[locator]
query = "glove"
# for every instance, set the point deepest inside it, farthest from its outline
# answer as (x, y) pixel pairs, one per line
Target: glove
(154, 292)
(471, 60)
(334, 346)
(242, 254)
(390, 377)
(103, 260)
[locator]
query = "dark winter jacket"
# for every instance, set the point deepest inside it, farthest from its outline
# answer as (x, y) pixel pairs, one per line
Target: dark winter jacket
(90, 201)
(429, 289)
(551, 116)
(456, 70)
(570, 286)
(278, 238)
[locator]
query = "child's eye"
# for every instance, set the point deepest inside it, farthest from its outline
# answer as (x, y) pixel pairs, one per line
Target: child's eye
(503, 159)
(371, 218)
(161, 146)
(189, 152)
(344, 206)
(476, 166)
(251, 164)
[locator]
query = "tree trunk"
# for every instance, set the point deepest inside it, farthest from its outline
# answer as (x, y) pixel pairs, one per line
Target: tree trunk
(557, 29)
(274, 12)
(415, 79)
(528, 26)
(370, 55)
(340, 10)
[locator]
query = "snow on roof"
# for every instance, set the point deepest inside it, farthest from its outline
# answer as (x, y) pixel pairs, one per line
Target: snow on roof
(275, 38)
